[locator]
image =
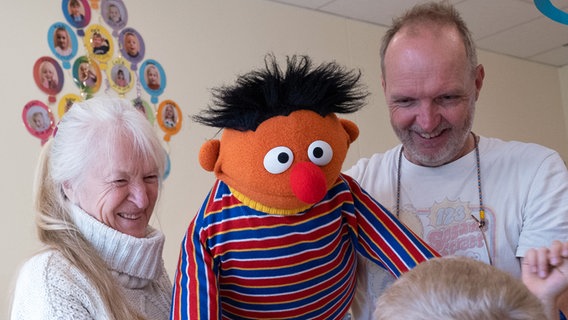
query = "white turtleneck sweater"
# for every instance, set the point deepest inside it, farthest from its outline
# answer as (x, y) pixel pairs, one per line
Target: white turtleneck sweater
(50, 287)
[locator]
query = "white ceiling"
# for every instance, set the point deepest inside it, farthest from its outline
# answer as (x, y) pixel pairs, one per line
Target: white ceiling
(512, 27)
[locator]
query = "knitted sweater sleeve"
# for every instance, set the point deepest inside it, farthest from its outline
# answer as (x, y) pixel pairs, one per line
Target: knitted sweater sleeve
(48, 287)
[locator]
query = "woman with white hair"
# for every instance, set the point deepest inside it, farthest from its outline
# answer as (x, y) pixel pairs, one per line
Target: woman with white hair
(97, 184)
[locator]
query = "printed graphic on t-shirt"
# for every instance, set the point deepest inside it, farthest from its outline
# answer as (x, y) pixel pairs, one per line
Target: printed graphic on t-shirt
(450, 228)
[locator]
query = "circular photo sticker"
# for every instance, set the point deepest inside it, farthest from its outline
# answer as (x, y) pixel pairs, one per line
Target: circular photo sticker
(99, 44)
(153, 79)
(120, 76)
(114, 14)
(77, 13)
(94, 4)
(66, 102)
(63, 42)
(48, 76)
(132, 46)
(38, 119)
(169, 118)
(87, 75)
(144, 107)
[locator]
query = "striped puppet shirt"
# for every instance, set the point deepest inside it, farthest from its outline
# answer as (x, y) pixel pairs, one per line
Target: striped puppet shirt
(240, 263)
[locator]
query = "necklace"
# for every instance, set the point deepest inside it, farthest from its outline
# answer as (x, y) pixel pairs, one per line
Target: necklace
(481, 222)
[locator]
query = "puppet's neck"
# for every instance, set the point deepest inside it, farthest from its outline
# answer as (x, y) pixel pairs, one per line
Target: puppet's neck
(266, 209)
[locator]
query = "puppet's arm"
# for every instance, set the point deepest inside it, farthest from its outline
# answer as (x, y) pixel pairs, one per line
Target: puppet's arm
(383, 238)
(195, 292)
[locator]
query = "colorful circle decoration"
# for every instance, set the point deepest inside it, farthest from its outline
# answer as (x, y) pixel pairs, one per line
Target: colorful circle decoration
(62, 42)
(120, 76)
(114, 14)
(66, 102)
(552, 12)
(132, 46)
(94, 57)
(153, 79)
(77, 13)
(144, 107)
(168, 168)
(169, 118)
(95, 4)
(87, 76)
(48, 76)
(99, 44)
(38, 119)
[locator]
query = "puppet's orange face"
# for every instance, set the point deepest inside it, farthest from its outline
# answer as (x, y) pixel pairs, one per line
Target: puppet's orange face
(289, 162)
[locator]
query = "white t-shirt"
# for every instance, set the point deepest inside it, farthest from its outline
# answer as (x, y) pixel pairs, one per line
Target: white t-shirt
(525, 197)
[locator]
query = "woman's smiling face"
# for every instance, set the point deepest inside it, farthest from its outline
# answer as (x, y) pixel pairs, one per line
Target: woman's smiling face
(119, 190)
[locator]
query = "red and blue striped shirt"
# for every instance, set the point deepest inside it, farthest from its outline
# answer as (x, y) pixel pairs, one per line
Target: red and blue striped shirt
(237, 262)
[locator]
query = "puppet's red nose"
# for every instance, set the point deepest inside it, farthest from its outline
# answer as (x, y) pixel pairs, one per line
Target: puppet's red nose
(308, 182)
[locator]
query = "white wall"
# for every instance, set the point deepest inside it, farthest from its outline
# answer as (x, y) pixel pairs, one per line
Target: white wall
(563, 74)
(522, 101)
(202, 44)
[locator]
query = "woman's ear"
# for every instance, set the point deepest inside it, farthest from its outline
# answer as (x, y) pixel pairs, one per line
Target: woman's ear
(68, 191)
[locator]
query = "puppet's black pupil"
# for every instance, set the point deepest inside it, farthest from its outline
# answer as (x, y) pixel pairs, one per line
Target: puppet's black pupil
(318, 152)
(283, 157)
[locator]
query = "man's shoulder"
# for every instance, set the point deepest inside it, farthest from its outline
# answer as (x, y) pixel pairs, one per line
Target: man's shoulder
(513, 148)
(373, 162)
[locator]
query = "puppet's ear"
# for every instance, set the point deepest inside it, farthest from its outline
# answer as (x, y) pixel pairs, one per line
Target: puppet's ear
(351, 128)
(208, 154)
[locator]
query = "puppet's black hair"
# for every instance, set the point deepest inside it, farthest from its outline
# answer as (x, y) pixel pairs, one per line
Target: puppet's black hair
(262, 94)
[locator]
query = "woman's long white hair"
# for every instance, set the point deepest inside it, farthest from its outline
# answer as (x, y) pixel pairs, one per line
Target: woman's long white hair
(88, 132)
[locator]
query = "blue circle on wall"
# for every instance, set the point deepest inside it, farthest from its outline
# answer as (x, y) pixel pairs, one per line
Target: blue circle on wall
(552, 12)
(147, 75)
(63, 52)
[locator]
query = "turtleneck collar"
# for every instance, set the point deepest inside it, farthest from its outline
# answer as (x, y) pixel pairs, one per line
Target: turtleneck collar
(135, 261)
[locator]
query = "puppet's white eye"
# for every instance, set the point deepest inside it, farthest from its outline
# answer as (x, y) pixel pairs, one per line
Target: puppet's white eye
(278, 160)
(320, 153)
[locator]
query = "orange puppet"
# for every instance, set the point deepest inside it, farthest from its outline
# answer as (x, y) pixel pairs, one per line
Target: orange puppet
(277, 235)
